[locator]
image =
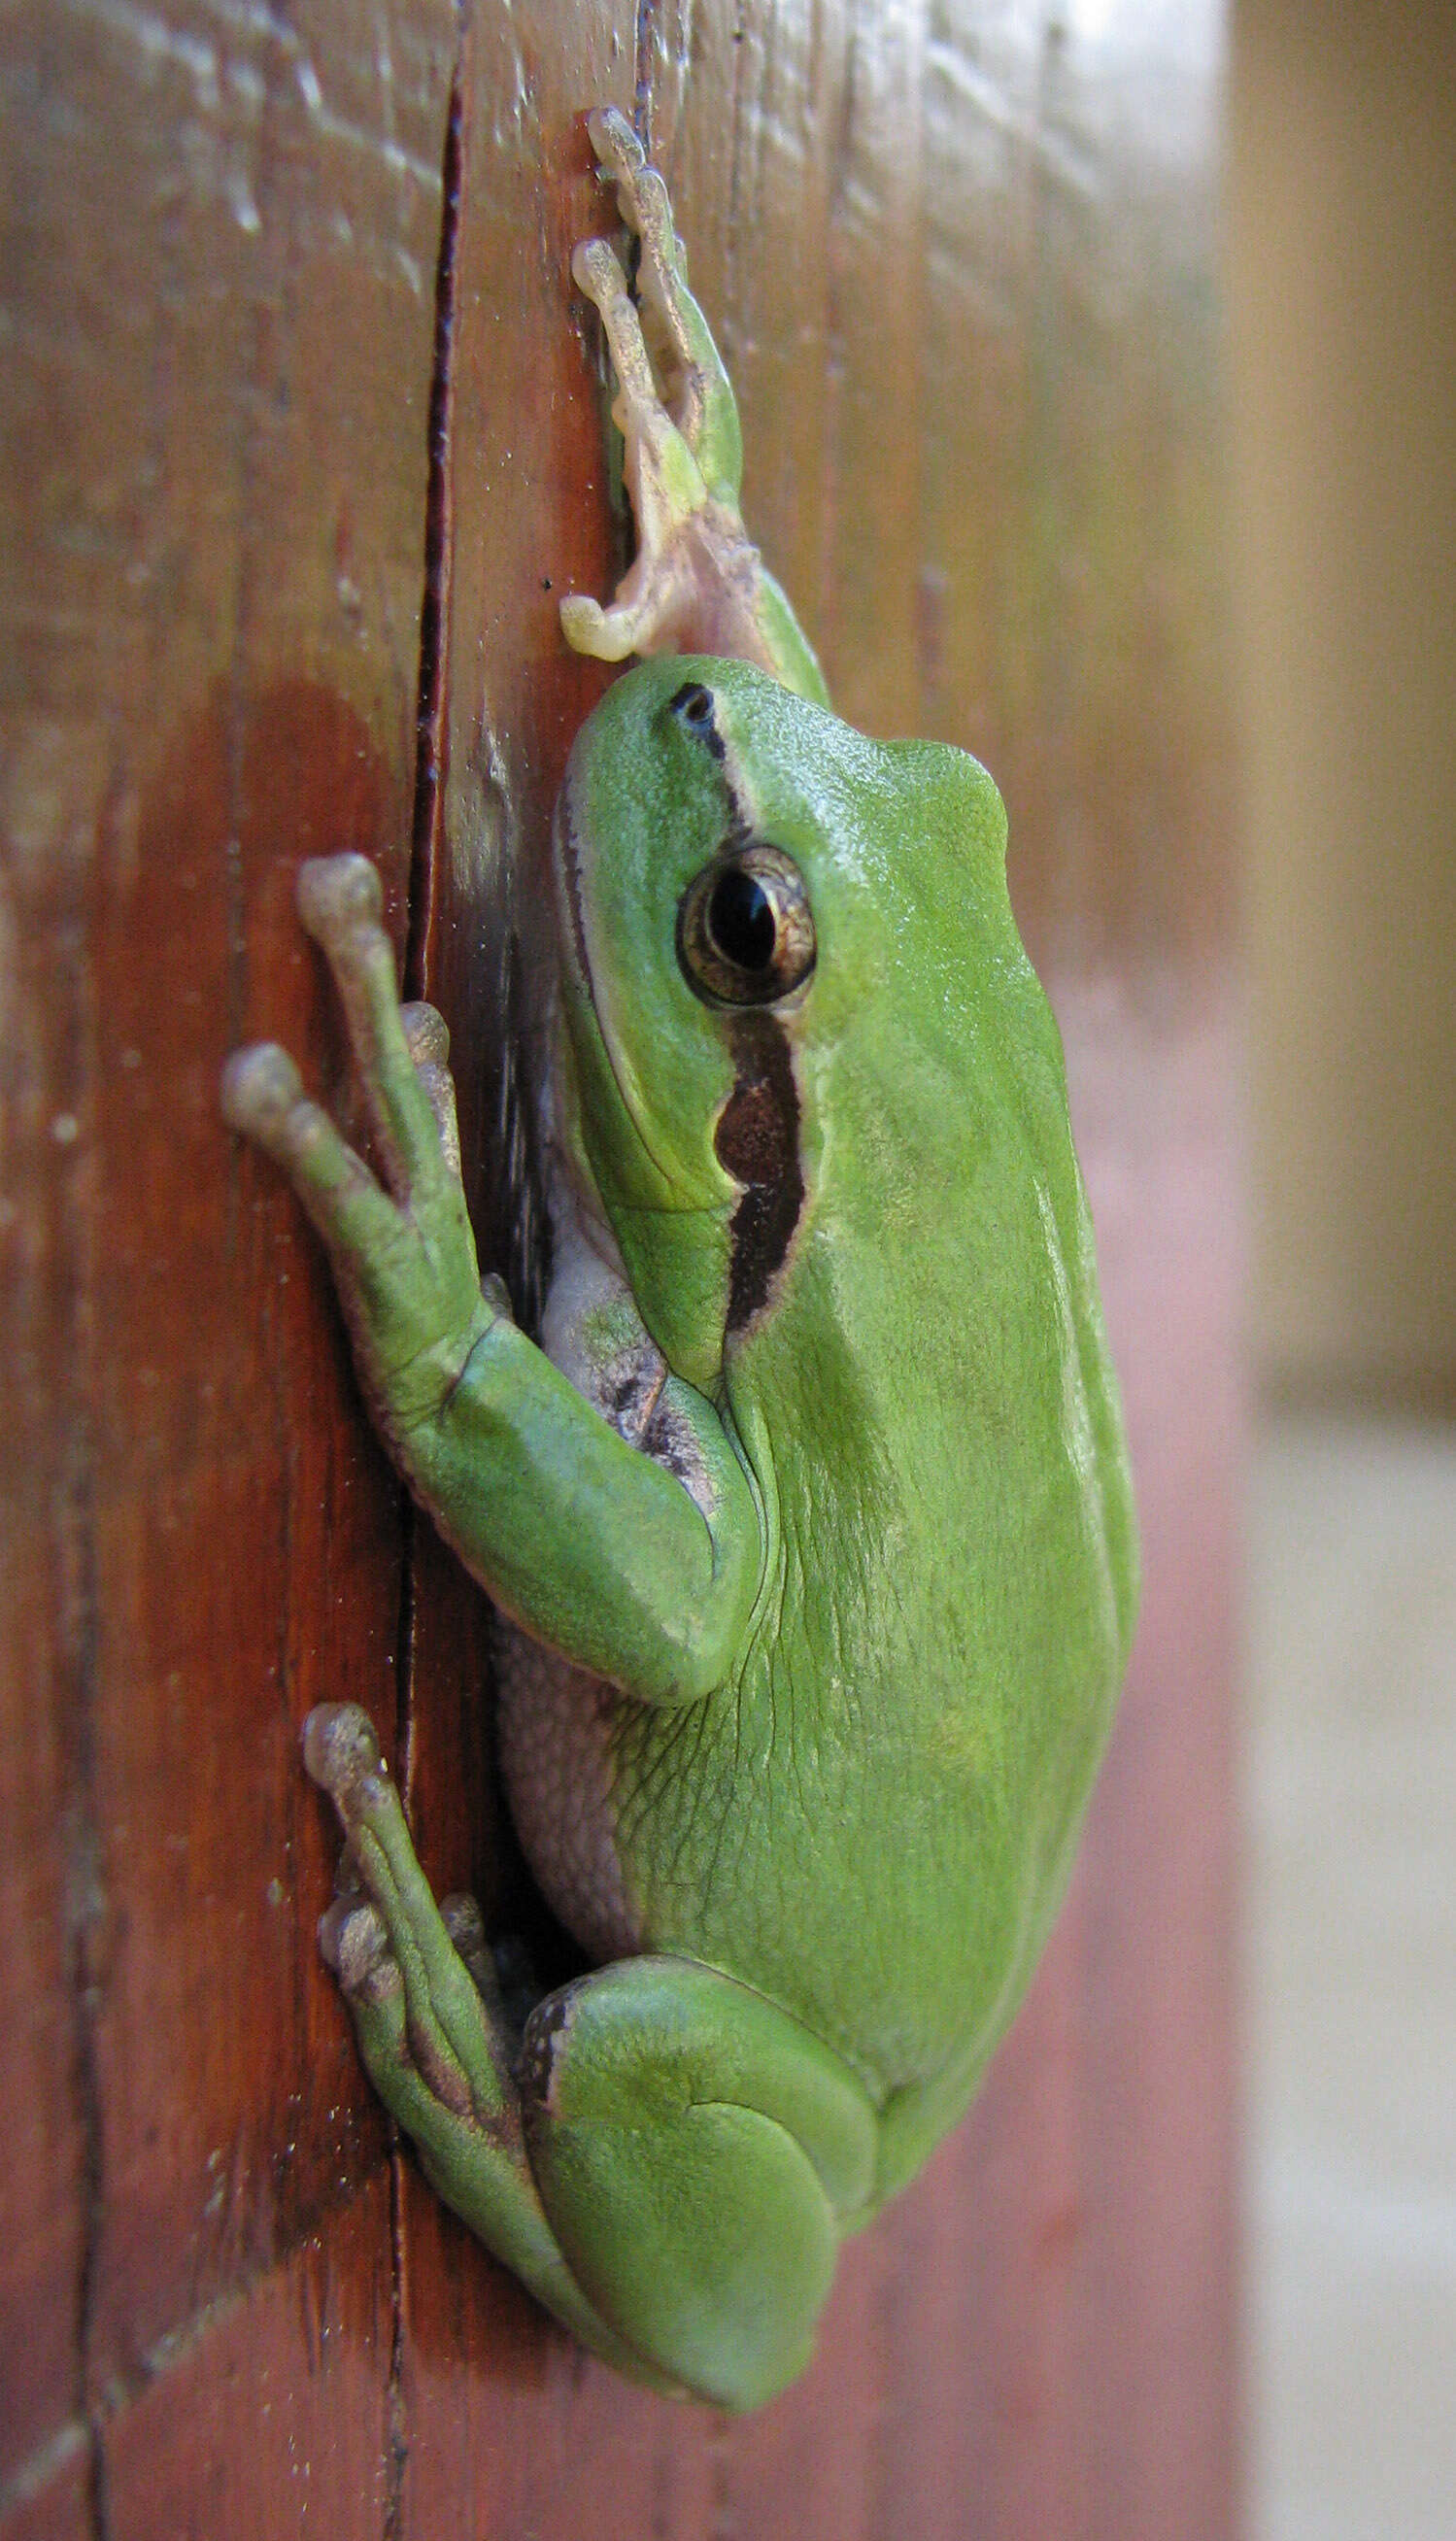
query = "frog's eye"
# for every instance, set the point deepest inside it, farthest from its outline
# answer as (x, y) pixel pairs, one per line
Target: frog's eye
(745, 934)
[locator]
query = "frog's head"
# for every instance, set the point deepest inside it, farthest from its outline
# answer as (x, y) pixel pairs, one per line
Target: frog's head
(754, 899)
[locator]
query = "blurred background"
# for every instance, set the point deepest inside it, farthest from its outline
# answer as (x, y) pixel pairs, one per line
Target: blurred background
(1341, 303)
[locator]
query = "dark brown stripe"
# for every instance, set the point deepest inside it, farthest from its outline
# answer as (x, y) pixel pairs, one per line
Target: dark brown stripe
(756, 1141)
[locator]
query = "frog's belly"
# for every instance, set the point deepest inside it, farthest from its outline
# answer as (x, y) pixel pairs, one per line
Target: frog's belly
(555, 1726)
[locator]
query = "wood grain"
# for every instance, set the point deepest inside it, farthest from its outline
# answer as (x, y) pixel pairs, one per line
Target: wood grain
(305, 441)
(218, 224)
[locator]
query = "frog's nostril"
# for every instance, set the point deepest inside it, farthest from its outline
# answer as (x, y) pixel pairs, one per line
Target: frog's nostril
(692, 704)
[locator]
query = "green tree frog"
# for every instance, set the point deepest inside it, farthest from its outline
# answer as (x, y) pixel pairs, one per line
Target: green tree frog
(810, 1507)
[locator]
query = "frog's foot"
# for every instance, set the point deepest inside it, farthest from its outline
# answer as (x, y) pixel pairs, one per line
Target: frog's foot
(423, 1999)
(415, 1996)
(697, 583)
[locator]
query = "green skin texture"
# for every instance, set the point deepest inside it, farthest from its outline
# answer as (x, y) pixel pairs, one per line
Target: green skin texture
(858, 1682)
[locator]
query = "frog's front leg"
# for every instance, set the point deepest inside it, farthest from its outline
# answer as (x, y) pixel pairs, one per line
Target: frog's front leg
(699, 585)
(581, 1538)
(668, 2160)
(402, 1252)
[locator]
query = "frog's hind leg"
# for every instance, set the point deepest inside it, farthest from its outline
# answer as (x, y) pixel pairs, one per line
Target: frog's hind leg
(663, 479)
(428, 2017)
(697, 584)
(699, 2153)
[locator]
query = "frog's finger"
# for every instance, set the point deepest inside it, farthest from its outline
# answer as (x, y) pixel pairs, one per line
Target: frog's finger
(706, 410)
(423, 2084)
(428, 1039)
(466, 1925)
(262, 1096)
(339, 900)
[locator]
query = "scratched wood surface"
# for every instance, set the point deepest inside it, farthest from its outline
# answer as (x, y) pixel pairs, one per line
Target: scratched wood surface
(303, 442)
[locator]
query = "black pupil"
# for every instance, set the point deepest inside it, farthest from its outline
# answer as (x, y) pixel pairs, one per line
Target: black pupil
(742, 922)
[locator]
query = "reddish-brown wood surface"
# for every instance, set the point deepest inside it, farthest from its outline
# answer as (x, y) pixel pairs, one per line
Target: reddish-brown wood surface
(304, 439)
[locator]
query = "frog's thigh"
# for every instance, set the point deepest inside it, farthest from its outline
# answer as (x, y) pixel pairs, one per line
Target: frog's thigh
(696, 2149)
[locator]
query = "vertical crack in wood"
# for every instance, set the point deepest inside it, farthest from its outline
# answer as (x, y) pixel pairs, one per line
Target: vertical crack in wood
(432, 744)
(396, 2415)
(86, 1903)
(648, 12)
(430, 767)
(86, 1911)
(397, 2426)
(405, 1648)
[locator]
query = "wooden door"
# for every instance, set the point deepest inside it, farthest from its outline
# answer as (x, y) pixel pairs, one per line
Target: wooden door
(303, 440)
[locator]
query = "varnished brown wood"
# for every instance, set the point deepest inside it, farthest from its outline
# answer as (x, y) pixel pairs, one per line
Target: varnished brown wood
(960, 263)
(220, 262)
(274, 2414)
